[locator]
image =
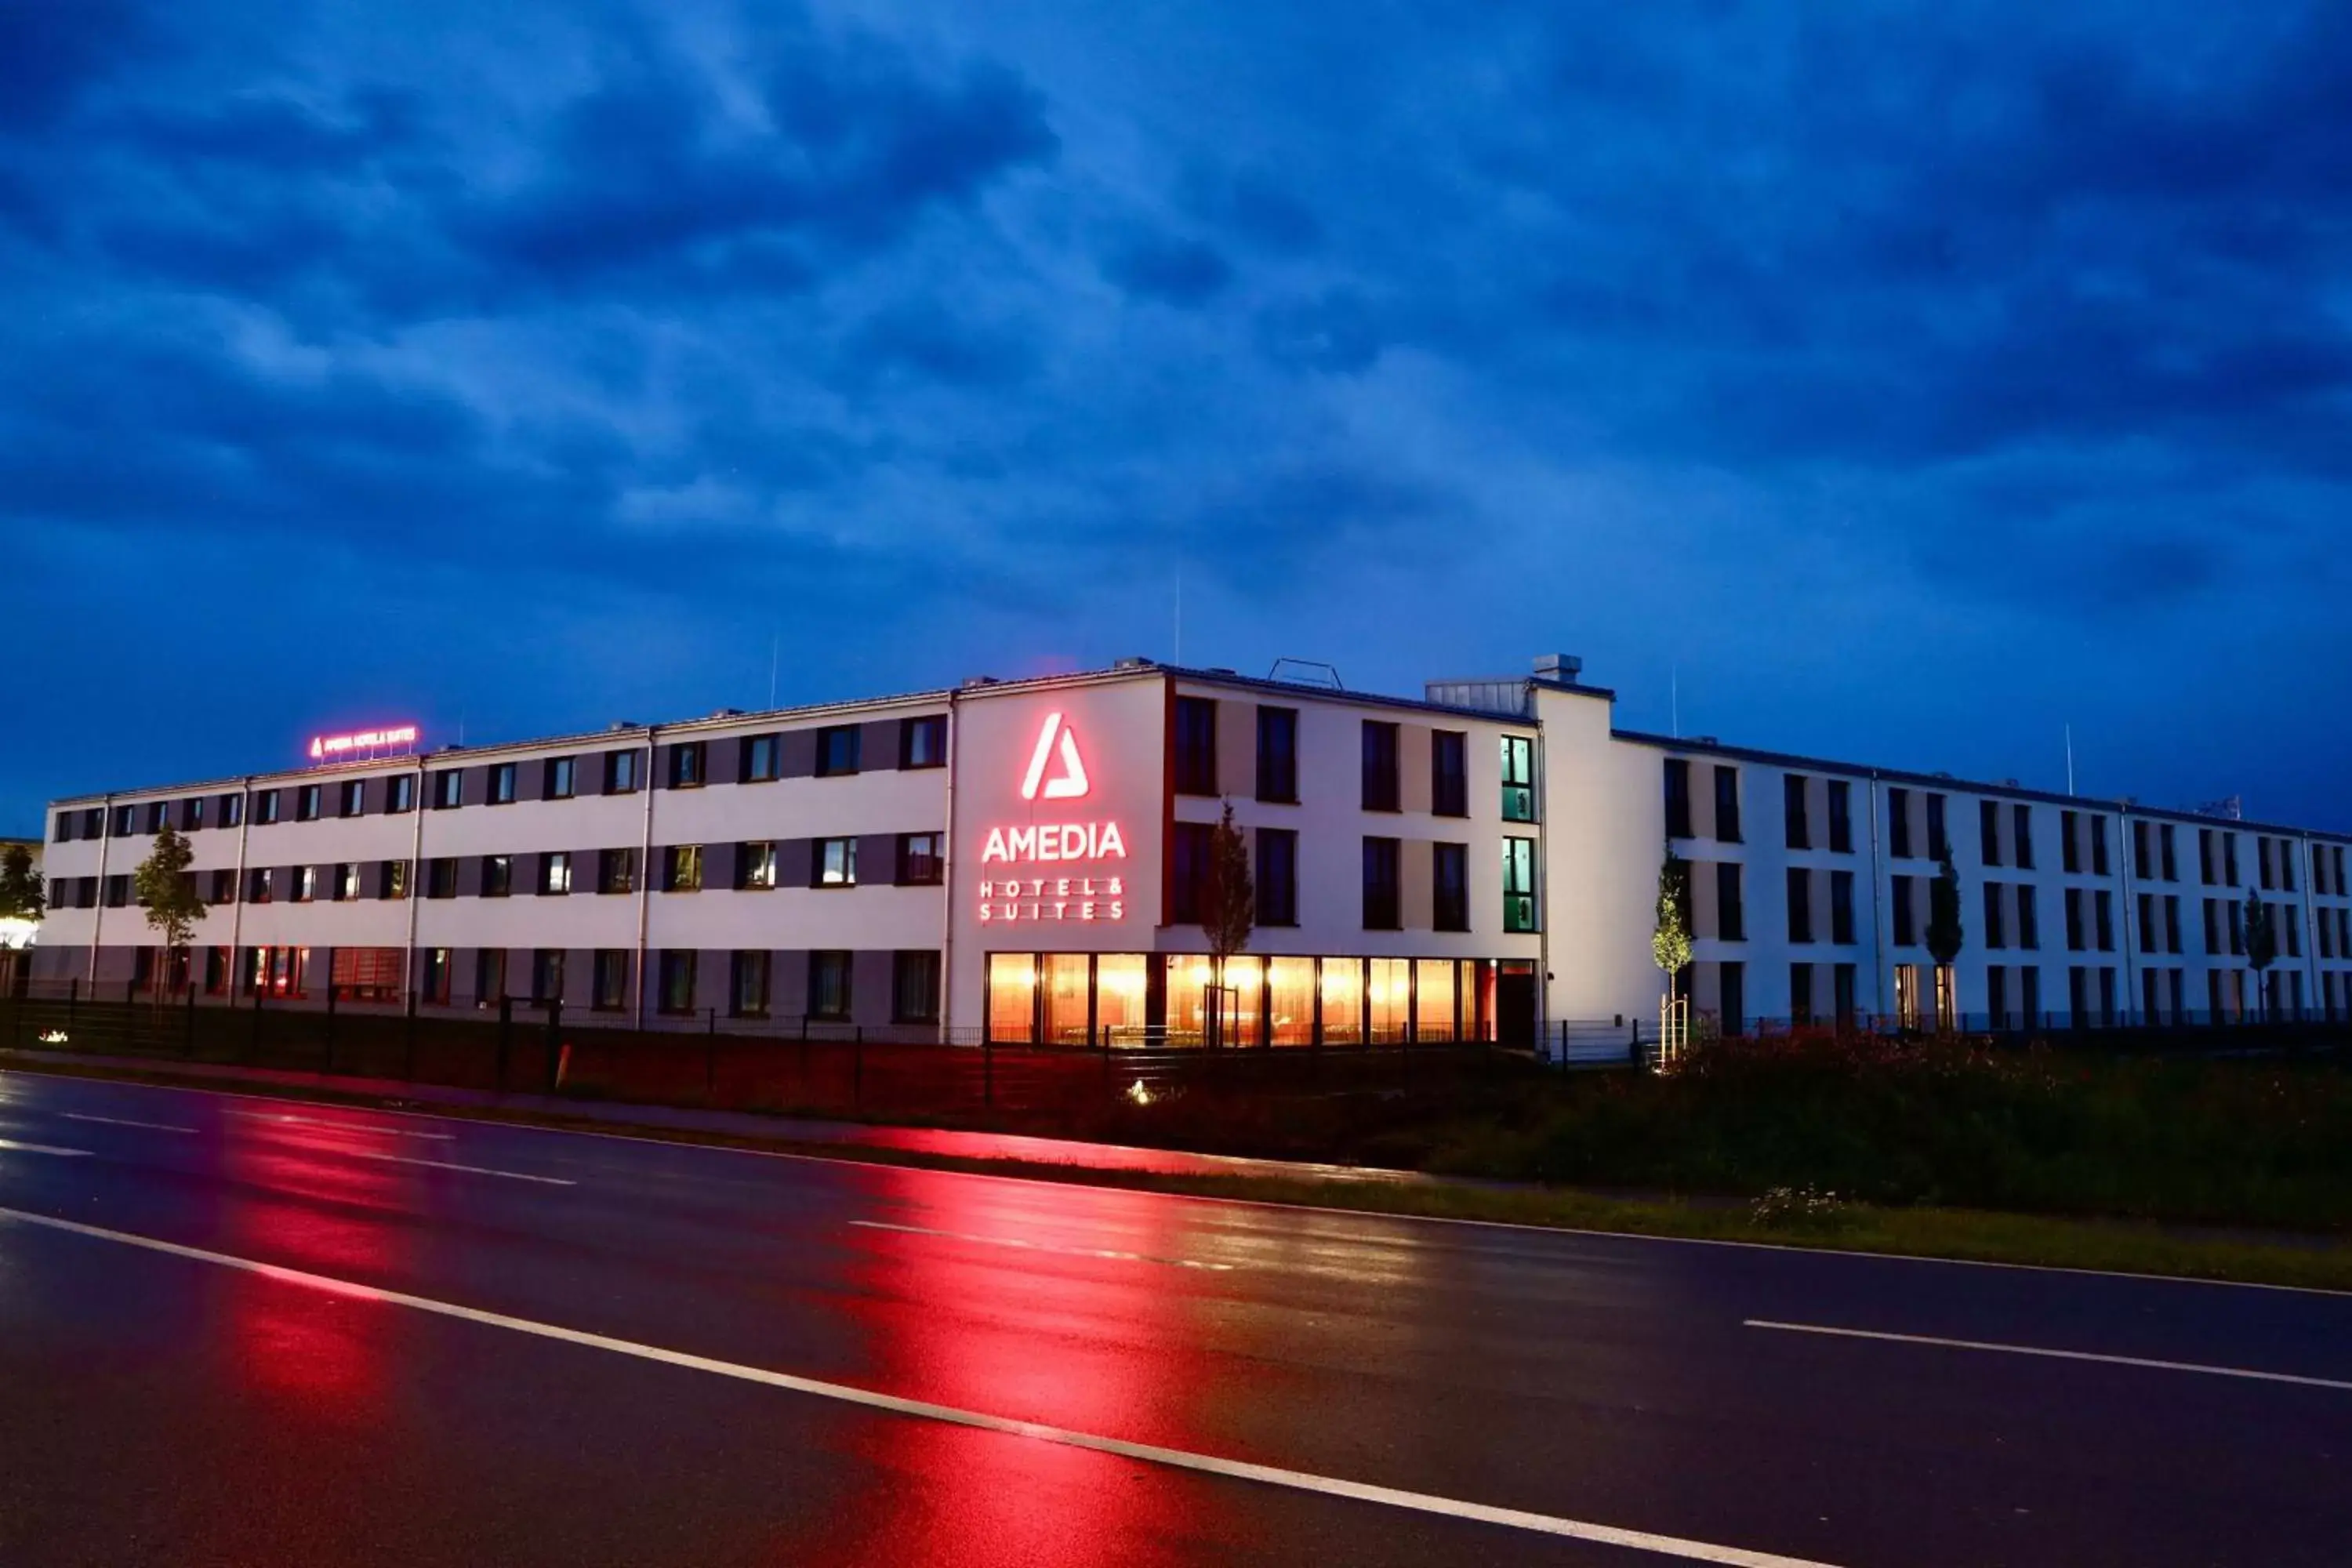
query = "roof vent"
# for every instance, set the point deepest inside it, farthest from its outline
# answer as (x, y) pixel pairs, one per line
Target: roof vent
(620, 725)
(1705, 740)
(728, 713)
(1133, 661)
(1560, 667)
(972, 680)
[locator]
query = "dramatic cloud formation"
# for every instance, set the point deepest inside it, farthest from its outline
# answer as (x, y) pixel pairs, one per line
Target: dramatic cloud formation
(1902, 388)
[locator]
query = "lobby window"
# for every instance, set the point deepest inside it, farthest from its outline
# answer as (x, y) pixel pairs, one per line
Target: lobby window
(621, 773)
(686, 769)
(1381, 900)
(1840, 818)
(682, 869)
(1900, 905)
(555, 874)
(231, 812)
(435, 988)
(828, 985)
(558, 777)
(1801, 904)
(490, 976)
(1995, 928)
(1841, 908)
(2023, 846)
(1518, 778)
(835, 862)
(399, 793)
(546, 975)
(616, 871)
(609, 980)
(674, 993)
(1795, 821)
(347, 881)
(305, 803)
(1989, 831)
(1898, 823)
(1519, 885)
(1379, 765)
(1449, 773)
(755, 865)
(1196, 746)
(502, 784)
(756, 762)
(915, 986)
(837, 750)
(1730, 912)
(1449, 884)
(1278, 877)
(920, 862)
(448, 789)
(441, 878)
(498, 876)
(1188, 871)
(747, 985)
(350, 798)
(923, 743)
(1939, 841)
(1727, 804)
(1277, 755)
(1678, 798)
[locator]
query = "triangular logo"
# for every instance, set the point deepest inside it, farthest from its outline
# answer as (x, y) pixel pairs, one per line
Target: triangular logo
(1071, 781)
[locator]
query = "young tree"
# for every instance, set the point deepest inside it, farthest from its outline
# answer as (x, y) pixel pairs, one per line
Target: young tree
(1670, 944)
(21, 895)
(1946, 937)
(1228, 899)
(166, 890)
(2262, 944)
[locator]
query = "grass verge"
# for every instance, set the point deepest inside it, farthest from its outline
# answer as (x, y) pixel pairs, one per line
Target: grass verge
(2313, 1262)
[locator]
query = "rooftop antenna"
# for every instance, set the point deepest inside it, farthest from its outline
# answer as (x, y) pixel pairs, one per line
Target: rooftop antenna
(2070, 759)
(775, 646)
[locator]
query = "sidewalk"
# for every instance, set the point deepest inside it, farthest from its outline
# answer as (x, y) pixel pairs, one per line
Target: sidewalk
(847, 1135)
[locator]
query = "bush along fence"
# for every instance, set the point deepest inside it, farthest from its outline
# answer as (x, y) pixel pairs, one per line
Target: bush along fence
(805, 1065)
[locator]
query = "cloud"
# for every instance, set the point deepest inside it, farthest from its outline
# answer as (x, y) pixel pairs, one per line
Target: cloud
(1173, 270)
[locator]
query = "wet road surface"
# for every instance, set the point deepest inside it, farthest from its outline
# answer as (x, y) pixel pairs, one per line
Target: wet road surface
(250, 1331)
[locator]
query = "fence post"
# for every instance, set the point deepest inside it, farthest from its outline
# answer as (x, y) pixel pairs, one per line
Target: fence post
(505, 1035)
(554, 1041)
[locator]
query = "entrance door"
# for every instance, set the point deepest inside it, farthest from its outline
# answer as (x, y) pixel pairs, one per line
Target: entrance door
(1515, 1004)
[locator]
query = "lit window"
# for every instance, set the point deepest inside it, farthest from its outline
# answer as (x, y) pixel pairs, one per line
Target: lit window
(836, 862)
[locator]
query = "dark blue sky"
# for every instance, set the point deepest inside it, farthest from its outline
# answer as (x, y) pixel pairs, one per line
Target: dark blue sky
(1912, 386)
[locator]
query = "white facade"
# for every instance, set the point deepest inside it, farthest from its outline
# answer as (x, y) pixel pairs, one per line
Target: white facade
(1021, 857)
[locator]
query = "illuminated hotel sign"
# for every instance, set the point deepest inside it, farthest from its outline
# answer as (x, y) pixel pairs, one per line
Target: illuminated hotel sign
(362, 744)
(1096, 893)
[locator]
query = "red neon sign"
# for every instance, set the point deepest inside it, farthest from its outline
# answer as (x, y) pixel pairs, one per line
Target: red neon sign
(1070, 784)
(1057, 897)
(334, 748)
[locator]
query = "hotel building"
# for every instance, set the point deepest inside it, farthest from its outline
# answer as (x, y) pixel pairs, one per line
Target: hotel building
(1026, 859)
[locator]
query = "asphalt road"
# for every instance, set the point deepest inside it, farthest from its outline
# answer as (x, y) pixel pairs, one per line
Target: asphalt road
(247, 1332)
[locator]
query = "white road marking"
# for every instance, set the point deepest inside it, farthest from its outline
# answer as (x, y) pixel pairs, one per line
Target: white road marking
(469, 1170)
(8, 1145)
(342, 1126)
(119, 1121)
(2143, 1362)
(1043, 1246)
(891, 1403)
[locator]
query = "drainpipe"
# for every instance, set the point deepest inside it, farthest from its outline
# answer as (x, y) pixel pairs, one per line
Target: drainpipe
(645, 867)
(2127, 851)
(98, 924)
(415, 886)
(236, 905)
(947, 888)
(1879, 954)
(2315, 990)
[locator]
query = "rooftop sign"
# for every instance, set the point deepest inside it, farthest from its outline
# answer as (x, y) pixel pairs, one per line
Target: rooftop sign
(362, 743)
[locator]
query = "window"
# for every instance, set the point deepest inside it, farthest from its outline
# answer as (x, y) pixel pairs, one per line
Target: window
(829, 986)
(1196, 746)
(64, 831)
(1801, 993)
(1898, 823)
(1798, 828)
(441, 878)
(2262, 862)
(755, 865)
(261, 885)
(126, 821)
(498, 876)
(837, 750)
(1731, 994)
(435, 988)
(556, 778)
(835, 862)
(915, 986)
(2151, 927)
(2165, 837)
(2143, 857)
(2070, 846)
(2075, 919)
(616, 871)
(306, 884)
(2286, 865)
(2098, 846)
(448, 789)
(609, 980)
(223, 889)
(2229, 858)
(923, 743)
(686, 765)
(1801, 904)
(747, 983)
(490, 976)
(1939, 841)
(2022, 847)
(1840, 818)
(2212, 927)
(157, 814)
(1727, 804)
(118, 892)
(755, 761)
(1906, 920)
(347, 881)
(2294, 930)
(1841, 908)
(1188, 871)
(351, 798)
(555, 874)
(921, 862)
(399, 793)
(1730, 915)
(1843, 979)
(2172, 922)
(192, 815)
(392, 879)
(1518, 779)
(1379, 765)
(231, 812)
(1277, 755)
(305, 803)
(675, 990)
(1380, 912)
(1996, 935)
(1678, 798)
(2205, 856)
(1450, 886)
(2103, 906)
(546, 975)
(1989, 832)
(621, 773)
(682, 869)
